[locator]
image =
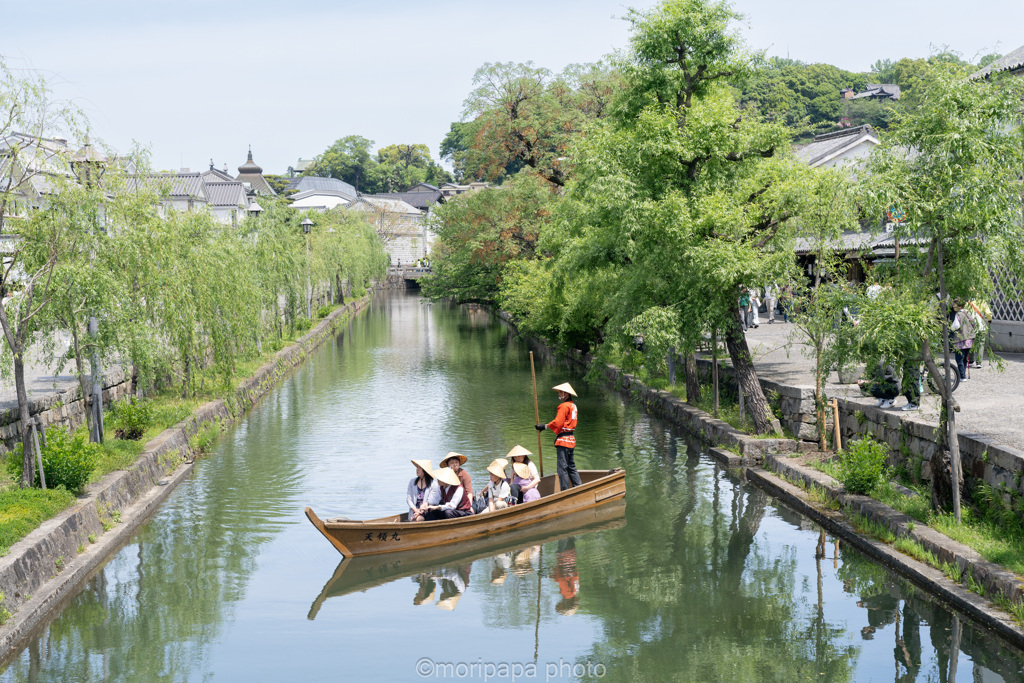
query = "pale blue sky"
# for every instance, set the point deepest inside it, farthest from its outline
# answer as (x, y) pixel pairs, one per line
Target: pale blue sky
(196, 80)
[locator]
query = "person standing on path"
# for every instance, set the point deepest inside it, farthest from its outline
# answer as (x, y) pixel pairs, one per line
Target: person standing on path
(564, 427)
(744, 304)
(771, 299)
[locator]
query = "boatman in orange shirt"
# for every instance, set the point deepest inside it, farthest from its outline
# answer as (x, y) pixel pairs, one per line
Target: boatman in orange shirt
(564, 427)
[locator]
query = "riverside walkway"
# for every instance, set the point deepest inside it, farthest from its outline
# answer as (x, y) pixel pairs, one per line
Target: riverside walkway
(991, 401)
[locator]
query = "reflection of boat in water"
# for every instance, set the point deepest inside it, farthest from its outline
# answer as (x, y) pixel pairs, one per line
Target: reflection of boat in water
(396, 533)
(363, 573)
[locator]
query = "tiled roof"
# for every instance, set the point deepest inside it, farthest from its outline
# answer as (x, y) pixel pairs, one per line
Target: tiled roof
(890, 90)
(257, 182)
(829, 144)
(308, 182)
(421, 200)
(384, 204)
(1014, 61)
(226, 193)
(177, 185)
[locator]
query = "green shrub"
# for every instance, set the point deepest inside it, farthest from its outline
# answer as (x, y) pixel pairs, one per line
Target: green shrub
(323, 311)
(131, 417)
(302, 324)
(68, 460)
(862, 465)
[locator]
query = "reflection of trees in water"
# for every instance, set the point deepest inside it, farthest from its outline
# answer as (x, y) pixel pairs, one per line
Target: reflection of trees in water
(152, 612)
(689, 595)
(890, 601)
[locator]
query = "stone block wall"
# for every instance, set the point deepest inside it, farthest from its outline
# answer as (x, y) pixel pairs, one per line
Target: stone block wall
(65, 408)
(913, 443)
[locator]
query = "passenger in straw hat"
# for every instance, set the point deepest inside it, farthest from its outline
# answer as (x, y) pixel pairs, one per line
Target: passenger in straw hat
(455, 461)
(497, 492)
(524, 476)
(423, 491)
(564, 427)
(454, 501)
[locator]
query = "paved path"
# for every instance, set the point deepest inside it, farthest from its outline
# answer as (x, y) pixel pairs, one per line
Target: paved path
(39, 376)
(991, 401)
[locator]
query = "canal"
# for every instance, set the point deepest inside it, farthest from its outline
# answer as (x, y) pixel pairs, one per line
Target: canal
(700, 578)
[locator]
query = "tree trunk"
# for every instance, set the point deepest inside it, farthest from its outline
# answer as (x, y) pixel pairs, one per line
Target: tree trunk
(692, 379)
(746, 378)
(952, 442)
(83, 383)
(819, 398)
(28, 473)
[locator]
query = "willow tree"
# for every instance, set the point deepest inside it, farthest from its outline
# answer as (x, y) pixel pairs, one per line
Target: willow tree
(952, 164)
(35, 243)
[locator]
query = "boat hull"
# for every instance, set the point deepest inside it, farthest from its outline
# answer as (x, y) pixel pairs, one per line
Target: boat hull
(396, 534)
(363, 573)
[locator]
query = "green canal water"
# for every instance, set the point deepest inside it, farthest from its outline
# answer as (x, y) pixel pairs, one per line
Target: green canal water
(700, 578)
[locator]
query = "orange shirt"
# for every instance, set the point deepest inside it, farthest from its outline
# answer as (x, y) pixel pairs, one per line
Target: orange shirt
(565, 420)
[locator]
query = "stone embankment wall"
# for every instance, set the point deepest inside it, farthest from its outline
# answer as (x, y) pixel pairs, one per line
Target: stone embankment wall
(47, 565)
(912, 442)
(66, 408)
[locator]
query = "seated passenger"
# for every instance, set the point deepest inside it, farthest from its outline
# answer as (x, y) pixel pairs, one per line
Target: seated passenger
(455, 461)
(525, 478)
(454, 501)
(497, 492)
(423, 491)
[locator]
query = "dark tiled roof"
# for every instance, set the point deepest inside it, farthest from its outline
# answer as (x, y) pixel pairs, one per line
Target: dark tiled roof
(1014, 61)
(890, 90)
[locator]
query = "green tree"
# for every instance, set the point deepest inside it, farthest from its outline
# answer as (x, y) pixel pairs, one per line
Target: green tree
(348, 159)
(961, 191)
(676, 203)
(522, 114)
(819, 317)
(479, 233)
(41, 240)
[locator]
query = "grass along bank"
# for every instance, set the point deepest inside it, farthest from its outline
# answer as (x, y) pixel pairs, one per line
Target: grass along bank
(994, 540)
(23, 510)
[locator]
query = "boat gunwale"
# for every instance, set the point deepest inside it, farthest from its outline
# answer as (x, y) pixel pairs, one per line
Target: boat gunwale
(481, 518)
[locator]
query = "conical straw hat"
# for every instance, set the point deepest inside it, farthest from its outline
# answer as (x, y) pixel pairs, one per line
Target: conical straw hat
(518, 450)
(425, 464)
(566, 388)
(497, 468)
(453, 454)
(446, 475)
(521, 469)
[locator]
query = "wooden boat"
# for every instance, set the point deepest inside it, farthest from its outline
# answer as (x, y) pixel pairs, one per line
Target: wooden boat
(360, 574)
(396, 533)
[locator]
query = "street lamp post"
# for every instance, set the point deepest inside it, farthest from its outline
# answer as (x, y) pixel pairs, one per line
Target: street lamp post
(306, 225)
(89, 165)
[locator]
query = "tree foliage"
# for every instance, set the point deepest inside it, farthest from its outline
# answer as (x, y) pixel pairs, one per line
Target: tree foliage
(520, 115)
(391, 169)
(479, 233)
